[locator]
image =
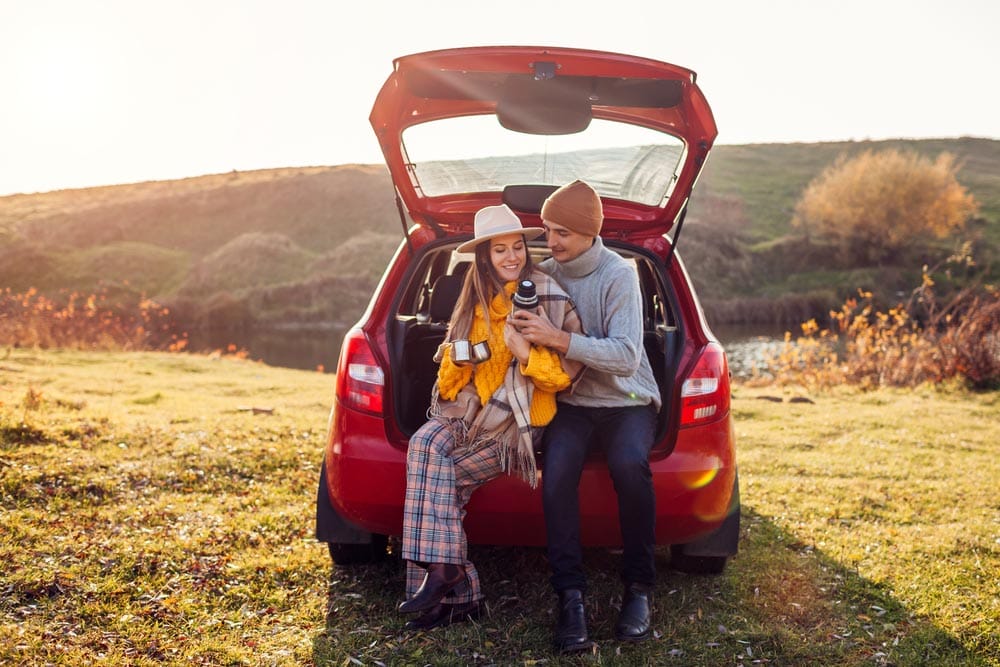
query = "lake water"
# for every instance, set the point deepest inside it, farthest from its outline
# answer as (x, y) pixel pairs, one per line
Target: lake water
(748, 345)
(306, 350)
(745, 346)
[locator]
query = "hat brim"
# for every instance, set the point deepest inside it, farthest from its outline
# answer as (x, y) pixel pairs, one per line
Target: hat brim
(530, 233)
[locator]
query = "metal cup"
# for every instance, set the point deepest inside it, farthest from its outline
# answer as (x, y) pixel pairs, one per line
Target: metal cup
(461, 352)
(480, 352)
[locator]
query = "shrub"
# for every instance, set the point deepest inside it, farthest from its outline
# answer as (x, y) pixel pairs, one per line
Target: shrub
(95, 321)
(904, 346)
(874, 204)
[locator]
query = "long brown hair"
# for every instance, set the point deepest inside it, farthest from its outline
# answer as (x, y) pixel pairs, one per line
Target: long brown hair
(481, 284)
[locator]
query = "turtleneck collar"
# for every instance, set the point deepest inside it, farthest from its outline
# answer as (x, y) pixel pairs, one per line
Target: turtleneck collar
(500, 305)
(585, 263)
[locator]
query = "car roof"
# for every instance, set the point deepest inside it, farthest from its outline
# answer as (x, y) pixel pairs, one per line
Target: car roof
(552, 92)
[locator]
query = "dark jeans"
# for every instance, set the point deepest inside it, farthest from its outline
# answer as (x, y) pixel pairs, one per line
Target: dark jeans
(626, 435)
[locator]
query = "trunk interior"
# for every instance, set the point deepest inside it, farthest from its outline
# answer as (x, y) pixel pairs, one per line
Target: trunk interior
(425, 303)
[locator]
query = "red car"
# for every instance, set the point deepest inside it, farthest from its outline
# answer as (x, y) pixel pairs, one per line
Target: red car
(472, 127)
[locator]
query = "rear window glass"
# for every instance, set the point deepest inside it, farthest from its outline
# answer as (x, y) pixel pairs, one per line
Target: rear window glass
(477, 154)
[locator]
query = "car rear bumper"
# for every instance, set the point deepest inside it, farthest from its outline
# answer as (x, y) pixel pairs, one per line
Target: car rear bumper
(693, 486)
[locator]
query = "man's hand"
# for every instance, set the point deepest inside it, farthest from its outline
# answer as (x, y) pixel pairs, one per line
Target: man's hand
(538, 329)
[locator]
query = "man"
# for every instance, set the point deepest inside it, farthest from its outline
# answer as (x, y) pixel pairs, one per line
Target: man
(614, 404)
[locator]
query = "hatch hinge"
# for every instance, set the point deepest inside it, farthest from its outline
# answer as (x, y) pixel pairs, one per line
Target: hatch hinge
(402, 220)
(677, 233)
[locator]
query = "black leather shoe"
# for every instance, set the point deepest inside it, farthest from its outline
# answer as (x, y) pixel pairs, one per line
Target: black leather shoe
(444, 615)
(634, 620)
(571, 630)
(440, 579)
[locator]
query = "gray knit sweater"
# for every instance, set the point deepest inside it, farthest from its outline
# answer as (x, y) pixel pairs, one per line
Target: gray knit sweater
(606, 291)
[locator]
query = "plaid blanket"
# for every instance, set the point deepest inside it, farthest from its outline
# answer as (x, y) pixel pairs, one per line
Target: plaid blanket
(504, 420)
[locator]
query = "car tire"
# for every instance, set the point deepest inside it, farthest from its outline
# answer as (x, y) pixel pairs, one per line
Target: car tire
(359, 554)
(695, 564)
(710, 553)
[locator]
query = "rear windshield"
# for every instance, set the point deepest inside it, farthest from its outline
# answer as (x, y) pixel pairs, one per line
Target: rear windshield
(477, 154)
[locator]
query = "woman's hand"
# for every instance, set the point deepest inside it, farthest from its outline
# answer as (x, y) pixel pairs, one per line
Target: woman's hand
(516, 343)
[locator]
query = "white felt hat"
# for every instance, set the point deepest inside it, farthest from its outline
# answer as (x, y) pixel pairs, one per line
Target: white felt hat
(493, 221)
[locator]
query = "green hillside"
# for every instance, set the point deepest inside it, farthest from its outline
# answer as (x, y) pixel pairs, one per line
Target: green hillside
(769, 178)
(316, 207)
(209, 245)
(259, 248)
(748, 263)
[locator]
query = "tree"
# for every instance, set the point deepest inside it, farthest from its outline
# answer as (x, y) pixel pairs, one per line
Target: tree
(874, 204)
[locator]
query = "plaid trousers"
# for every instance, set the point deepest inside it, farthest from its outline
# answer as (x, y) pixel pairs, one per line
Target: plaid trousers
(438, 485)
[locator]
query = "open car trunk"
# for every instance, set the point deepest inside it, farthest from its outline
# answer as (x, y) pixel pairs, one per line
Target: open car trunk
(423, 308)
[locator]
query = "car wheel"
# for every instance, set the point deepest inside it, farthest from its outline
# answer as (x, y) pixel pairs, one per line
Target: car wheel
(359, 554)
(695, 564)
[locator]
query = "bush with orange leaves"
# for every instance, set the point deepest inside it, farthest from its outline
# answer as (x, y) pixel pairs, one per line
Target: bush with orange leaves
(94, 321)
(875, 204)
(922, 341)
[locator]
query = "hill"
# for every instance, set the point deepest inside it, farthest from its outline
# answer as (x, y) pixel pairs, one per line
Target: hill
(769, 178)
(305, 246)
(750, 266)
(211, 246)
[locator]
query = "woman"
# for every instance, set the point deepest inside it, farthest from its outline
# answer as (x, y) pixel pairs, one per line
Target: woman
(465, 444)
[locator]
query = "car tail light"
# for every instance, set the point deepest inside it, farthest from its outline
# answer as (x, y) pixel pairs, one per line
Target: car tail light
(360, 380)
(705, 392)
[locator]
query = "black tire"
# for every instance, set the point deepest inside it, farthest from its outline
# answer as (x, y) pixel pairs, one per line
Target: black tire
(710, 553)
(359, 554)
(695, 564)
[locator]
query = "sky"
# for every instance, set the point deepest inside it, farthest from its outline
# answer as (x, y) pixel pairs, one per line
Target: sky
(123, 91)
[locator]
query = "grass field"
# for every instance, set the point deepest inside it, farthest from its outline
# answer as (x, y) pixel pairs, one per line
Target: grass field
(151, 516)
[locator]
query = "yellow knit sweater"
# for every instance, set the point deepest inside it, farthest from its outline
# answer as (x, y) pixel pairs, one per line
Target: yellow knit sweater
(543, 366)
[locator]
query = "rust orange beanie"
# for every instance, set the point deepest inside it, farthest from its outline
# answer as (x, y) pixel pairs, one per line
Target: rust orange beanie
(577, 207)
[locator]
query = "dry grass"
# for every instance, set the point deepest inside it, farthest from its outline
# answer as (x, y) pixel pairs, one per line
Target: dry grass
(149, 517)
(98, 321)
(921, 341)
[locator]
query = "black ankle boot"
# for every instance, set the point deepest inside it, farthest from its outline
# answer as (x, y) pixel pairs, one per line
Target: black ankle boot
(440, 579)
(571, 630)
(635, 619)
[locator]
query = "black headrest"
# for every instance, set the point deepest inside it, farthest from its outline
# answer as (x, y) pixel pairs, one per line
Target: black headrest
(527, 198)
(444, 294)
